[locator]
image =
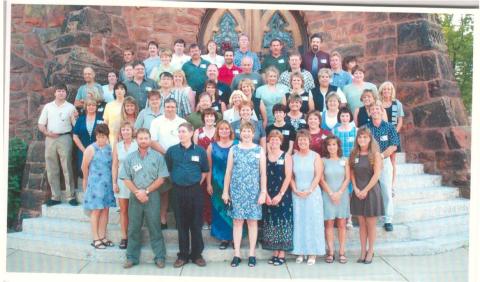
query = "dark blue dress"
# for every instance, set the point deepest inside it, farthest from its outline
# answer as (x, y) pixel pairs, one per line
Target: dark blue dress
(80, 129)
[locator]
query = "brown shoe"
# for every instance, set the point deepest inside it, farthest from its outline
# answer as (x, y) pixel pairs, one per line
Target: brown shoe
(128, 264)
(160, 263)
(179, 263)
(200, 262)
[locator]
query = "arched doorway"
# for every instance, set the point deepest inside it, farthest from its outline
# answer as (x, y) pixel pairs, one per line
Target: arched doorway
(224, 25)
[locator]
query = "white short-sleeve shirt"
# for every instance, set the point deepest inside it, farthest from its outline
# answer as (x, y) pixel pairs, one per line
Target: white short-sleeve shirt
(57, 118)
(165, 131)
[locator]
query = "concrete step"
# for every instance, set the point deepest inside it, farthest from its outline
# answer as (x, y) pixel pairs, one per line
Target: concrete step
(418, 181)
(424, 195)
(409, 169)
(437, 227)
(431, 210)
(400, 158)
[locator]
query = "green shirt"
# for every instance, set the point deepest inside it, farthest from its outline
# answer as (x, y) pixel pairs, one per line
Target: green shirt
(280, 63)
(143, 171)
(196, 75)
(139, 92)
(196, 119)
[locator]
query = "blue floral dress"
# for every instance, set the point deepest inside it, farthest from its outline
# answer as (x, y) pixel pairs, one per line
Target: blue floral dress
(99, 194)
(245, 183)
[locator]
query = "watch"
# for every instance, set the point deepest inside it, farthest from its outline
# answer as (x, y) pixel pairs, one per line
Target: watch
(146, 191)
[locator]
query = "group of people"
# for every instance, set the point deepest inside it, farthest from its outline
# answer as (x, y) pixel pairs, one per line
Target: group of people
(294, 142)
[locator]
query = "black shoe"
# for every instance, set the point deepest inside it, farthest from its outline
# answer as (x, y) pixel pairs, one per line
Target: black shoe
(369, 261)
(388, 227)
(272, 260)
(73, 202)
(235, 261)
(224, 245)
(279, 261)
(52, 203)
(252, 261)
(123, 244)
(164, 226)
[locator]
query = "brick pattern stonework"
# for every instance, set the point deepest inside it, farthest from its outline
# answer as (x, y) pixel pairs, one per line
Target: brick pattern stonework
(54, 43)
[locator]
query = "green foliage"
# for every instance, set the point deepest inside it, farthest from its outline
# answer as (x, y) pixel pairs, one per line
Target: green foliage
(17, 155)
(459, 39)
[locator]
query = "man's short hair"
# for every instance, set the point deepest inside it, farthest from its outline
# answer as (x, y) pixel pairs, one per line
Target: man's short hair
(166, 74)
(152, 93)
(144, 131)
(279, 108)
(153, 43)
(193, 46)
(179, 41)
(170, 100)
(276, 39)
(60, 86)
(227, 50)
(138, 62)
(316, 35)
(187, 125)
(129, 49)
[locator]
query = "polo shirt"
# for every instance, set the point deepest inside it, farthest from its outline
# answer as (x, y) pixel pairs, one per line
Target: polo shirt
(288, 132)
(195, 119)
(57, 118)
(238, 56)
(84, 89)
(145, 118)
(255, 77)
(186, 165)
(139, 92)
(280, 63)
(150, 63)
(308, 80)
(165, 131)
(143, 171)
(341, 78)
(385, 134)
(196, 75)
(226, 74)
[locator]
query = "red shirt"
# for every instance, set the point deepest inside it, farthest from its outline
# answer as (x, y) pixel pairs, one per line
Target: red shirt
(226, 75)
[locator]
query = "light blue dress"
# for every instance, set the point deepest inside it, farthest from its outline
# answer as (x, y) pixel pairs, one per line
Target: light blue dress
(270, 98)
(308, 228)
(245, 183)
(122, 155)
(99, 194)
(334, 172)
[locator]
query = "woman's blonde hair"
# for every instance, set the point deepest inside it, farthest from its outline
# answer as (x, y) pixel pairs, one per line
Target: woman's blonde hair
(247, 81)
(297, 75)
(217, 130)
(236, 93)
(129, 100)
(90, 101)
(126, 123)
(373, 148)
(182, 73)
(386, 84)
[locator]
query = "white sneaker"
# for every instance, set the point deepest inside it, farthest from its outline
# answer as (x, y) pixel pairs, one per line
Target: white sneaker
(299, 259)
(311, 260)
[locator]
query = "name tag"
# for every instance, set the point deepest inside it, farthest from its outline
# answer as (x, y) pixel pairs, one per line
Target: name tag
(302, 121)
(323, 61)
(137, 167)
(100, 110)
(195, 159)
(286, 132)
(201, 135)
(203, 66)
(254, 81)
(215, 108)
(351, 139)
(257, 156)
(235, 72)
(220, 92)
(304, 98)
(356, 160)
(100, 121)
(324, 136)
(384, 138)
(281, 61)
(280, 161)
(147, 88)
(342, 162)
(237, 130)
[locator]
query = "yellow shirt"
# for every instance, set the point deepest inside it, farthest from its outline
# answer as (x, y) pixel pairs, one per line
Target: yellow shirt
(112, 117)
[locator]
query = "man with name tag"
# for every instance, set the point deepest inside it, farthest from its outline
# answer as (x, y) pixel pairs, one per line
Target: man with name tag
(294, 61)
(55, 123)
(255, 77)
(275, 58)
(315, 59)
(166, 91)
(90, 88)
(388, 140)
(188, 168)
(140, 85)
(196, 70)
(287, 130)
(244, 51)
(228, 71)
(224, 90)
(143, 172)
(340, 78)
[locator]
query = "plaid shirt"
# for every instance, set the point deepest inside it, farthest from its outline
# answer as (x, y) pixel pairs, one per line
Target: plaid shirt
(347, 138)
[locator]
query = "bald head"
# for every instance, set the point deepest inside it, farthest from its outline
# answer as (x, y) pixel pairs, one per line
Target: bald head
(88, 75)
(247, 65)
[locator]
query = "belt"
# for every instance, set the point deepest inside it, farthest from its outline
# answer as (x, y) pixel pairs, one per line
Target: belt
(65, 133)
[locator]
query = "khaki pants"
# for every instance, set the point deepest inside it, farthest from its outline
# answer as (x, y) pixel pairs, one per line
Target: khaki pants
(56, 149)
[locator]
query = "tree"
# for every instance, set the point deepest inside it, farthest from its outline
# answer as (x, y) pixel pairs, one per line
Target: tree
(459, 39)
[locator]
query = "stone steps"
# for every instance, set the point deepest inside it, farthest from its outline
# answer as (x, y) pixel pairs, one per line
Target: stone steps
(424, 195)
(432, 210)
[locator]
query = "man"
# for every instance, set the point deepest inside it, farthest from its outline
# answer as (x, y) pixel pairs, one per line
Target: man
(387, 138)
(140, 85)
(295, 62)
(223, 89)
(55, 123)
(147, 115)
(129, 72)
(188, 167)
(315, 59)
(178, 57)
(128, 57)
(244, 51)
(340, 77)
(228, 71)
(166, 84)
(204, 102)
(247, 64)
(153, 60)
(275, 58)
(89, 88)
(164, 130)
(196, 70)
(143, 172)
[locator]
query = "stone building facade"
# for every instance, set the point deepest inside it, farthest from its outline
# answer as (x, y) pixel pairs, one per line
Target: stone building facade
(53, 43)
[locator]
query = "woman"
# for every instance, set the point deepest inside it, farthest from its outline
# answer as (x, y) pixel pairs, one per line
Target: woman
(108, 89)
(245, 187)
(349, 62)
(203, 137)
(295, 117)
(317, 134)
(212, 90)
(121, 149)
(329, 115)
(354, 90)
(204, 102)
(113, 110)
(296, 84)
(324, 88)
(97, 186)
(271, 93)
(336, 207)
(165, 65)
(366, 203)
(180, 85)
(308, 227)
(129, 110)
(233, 114)
(217, 153)
(84, 129)
(248, 88)
(246, 112)
(212, 56)
(361, 116)
(395, 114)
(277, 227)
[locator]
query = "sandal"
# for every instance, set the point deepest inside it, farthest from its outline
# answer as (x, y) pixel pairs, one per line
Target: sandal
(235, 261)
(272, 260)
(252, 261)
(342, 258)
(97, 244)
(106, 242)
(330, 258)
(123, 244)
(299, 259)
(311, 260)
(279, 261)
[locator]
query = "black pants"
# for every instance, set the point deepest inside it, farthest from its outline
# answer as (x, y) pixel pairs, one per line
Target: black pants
(189, 221)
